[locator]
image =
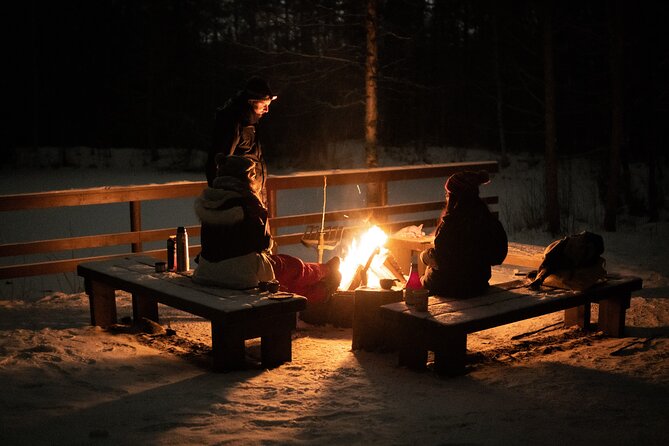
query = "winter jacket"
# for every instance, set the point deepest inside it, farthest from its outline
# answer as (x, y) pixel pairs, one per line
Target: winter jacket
(234, 236)
(235, 134)
(467, 242)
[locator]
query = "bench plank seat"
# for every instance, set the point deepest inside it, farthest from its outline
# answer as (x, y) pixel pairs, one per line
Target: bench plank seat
(444, 327)
(235, 315)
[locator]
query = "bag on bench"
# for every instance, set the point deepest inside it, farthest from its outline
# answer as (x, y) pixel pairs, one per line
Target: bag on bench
(573, 262)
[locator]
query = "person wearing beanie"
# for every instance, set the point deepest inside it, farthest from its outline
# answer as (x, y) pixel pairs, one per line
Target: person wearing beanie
(468, 240)
(235, 129)
(236, 242)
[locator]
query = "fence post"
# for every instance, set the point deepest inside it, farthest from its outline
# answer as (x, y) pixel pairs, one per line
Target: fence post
(377, 194)
(271, 212)
(136, 222)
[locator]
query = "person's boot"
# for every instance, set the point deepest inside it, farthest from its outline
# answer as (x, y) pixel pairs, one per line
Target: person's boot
(318, 313)
(332, 278)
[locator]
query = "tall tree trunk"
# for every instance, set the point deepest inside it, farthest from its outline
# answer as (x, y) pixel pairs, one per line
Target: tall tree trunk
(504, 159)
(612, 193)
(551, 169)
(34, 48)
(374, 193)
(151, 70)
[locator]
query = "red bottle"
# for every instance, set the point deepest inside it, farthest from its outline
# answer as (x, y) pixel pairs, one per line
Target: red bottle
(413, 283)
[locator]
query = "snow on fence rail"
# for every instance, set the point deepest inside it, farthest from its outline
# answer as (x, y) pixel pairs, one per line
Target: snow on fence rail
(135, 195)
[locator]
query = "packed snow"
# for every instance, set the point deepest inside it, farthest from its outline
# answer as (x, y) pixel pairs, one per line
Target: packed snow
(533, 382)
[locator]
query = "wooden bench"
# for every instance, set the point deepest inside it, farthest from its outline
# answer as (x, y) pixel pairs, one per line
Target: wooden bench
(235, 315)
(444, 327)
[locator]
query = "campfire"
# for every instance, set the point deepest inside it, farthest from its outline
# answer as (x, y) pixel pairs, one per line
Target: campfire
(367, 261)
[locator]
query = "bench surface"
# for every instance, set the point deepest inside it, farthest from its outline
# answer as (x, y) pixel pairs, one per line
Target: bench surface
(235, 315)
(136, 274)
(508, 302)
(444, 327)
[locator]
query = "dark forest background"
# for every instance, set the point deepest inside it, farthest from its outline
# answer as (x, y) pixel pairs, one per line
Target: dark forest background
(150, 73)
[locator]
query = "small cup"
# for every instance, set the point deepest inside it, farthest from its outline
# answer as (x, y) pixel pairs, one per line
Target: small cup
(273, 286)
(262, 286)
(161, 267)
(420, 300)
(387, 284)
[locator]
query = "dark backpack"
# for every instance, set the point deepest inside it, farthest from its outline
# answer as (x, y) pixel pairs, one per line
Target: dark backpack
(578, 252)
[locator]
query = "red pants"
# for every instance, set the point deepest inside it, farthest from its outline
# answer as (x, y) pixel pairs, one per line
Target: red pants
(296, 276)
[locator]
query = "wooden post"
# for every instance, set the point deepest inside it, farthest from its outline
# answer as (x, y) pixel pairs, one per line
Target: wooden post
(450, 357)
(271, 213)
(276, 347)
(227, 345)
(612, 315)
(412, 348)
(578, 316)
(136, 222)
(102, 300)
(144, 306)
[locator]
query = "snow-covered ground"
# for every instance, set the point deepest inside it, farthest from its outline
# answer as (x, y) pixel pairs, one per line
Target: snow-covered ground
(534, 382)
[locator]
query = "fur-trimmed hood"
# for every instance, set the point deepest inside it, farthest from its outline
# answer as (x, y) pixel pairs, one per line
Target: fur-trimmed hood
(219, 207)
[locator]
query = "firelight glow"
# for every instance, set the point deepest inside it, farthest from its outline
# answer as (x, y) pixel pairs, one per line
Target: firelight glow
(358, 254)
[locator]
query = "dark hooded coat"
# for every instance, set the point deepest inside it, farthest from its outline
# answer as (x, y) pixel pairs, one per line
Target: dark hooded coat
(234, 236)
(467, 242)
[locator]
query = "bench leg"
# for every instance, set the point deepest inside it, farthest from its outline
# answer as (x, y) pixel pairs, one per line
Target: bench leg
(277, 347)
(102, 300)
(578, 316)
(412, 356)
(144, 306)
(227, 345)
(612, 315)
(412, 352)
(450, 356)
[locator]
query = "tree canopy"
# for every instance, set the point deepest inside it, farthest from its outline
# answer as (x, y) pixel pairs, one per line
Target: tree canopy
(150, 73)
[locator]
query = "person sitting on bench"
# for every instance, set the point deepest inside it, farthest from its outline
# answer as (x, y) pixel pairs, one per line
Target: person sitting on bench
(468, 241)
(236, 241)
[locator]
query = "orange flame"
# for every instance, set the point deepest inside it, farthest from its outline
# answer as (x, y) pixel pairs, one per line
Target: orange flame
(359, 253)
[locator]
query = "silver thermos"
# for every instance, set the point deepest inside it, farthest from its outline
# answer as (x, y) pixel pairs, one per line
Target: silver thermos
(183, 262)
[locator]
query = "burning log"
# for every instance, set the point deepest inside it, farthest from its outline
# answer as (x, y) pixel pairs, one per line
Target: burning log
(360, 276)
(394, 268)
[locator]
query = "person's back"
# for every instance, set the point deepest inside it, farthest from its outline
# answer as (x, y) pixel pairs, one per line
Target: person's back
(234, 234)
(468, 241)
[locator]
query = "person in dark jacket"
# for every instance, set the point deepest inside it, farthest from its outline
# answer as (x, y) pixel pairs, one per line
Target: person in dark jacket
(235, 129)
(468, 241)
(236, 241)
(234, 235)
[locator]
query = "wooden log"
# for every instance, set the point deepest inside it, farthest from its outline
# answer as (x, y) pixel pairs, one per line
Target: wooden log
(360, 276)
(391, 265)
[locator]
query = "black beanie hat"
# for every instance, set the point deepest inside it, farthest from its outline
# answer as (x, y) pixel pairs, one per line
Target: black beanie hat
(257, 89)
(466, 183)
(233, 166)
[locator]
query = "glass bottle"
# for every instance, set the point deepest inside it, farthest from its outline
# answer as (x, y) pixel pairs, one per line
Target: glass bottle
(413, 283)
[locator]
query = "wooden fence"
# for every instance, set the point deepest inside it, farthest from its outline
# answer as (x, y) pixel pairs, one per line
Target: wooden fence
(135, 195)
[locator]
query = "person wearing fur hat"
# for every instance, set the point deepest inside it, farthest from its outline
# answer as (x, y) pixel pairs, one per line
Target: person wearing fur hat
(236, 241)
(468, 240)
(235, 129)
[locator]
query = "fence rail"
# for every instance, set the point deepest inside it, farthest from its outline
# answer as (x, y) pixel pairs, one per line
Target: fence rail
(135, 195)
